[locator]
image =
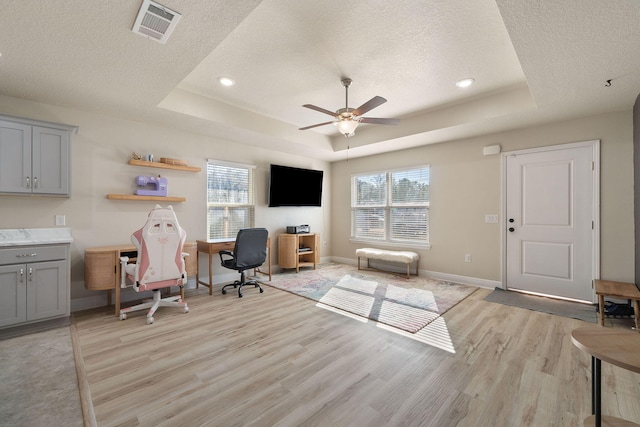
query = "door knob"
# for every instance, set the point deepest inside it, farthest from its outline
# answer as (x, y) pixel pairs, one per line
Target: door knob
(511, 229)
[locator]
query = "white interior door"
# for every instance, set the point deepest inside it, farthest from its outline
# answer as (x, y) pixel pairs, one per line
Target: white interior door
(550, 200)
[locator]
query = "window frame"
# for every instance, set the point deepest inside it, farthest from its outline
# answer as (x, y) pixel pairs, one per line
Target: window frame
(387, 207)
(228, 207)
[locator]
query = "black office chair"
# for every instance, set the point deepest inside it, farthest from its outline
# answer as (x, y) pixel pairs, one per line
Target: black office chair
(250, 252)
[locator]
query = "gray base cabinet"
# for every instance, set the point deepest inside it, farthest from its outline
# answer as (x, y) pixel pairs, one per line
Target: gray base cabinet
(34, 283)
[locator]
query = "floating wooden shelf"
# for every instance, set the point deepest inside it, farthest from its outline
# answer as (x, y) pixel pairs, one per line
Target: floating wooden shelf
(153, 198)
(163, 165)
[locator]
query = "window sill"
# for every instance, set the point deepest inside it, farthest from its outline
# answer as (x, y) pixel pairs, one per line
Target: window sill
(384, 243)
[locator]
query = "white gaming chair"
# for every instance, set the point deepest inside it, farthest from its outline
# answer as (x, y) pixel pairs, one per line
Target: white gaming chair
(159, 263)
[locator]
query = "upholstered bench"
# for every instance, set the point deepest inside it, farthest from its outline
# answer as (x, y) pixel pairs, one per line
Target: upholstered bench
(404, 257)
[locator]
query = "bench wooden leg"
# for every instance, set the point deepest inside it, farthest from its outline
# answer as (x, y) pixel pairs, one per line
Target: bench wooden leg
(636, 312)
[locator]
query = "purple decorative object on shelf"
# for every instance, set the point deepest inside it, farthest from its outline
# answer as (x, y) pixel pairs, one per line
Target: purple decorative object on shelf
(151, 186)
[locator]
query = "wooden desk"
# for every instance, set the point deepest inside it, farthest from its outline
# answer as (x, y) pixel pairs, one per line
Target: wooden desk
(102, 268)
(214, 246)
(616, 346)
(619, 290)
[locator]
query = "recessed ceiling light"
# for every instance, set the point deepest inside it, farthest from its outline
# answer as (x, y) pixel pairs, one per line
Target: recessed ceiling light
(465, 82)
(226, 81)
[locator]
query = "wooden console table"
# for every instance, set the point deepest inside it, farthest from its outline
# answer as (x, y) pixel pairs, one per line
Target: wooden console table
(616, 346)
(618, 290)
(214, 246)
(102, 268)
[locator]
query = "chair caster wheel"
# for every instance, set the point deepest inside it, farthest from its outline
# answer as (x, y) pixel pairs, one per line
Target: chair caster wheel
(123, 316)
(224, 292)
(239, 295)
(261, 290)
(186, 309)
(149, 320)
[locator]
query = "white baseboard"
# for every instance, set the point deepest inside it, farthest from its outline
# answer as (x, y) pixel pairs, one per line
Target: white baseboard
(475, 281)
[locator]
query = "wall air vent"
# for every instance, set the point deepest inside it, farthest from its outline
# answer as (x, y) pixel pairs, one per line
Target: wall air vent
(155, 21)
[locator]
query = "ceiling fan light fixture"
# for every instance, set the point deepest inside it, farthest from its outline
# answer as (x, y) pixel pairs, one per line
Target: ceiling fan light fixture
(465, 82)
(347, 127)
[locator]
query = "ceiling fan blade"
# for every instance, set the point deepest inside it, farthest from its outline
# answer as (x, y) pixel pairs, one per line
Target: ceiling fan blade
(369, 105)
(379, 121)
(322, 110)
(313, 126)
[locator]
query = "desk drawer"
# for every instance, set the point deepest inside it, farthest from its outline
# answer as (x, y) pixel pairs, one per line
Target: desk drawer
(28, 254)
(215, 247)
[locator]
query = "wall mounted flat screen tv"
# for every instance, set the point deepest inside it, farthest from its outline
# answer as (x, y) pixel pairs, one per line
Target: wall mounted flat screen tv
(290, 186)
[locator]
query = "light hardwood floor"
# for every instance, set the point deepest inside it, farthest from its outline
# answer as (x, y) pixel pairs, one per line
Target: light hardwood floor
(276, 359)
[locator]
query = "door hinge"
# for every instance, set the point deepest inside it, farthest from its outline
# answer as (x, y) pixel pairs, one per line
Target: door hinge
(593, 166)
(593, 225)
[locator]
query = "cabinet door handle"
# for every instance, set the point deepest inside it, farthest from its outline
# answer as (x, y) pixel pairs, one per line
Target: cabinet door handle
(35, 182)
(30, 274)
(22, 275)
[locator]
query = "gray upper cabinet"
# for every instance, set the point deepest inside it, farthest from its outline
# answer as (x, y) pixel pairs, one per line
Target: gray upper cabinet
(35, 159)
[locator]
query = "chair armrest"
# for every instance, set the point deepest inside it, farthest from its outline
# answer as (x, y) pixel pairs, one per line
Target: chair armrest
(225, 252)
(124, 260)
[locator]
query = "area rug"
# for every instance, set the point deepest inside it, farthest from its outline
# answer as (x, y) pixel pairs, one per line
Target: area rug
(574, 310)
(407, 304)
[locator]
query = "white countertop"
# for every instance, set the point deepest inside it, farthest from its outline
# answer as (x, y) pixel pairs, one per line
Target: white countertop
(34, 236)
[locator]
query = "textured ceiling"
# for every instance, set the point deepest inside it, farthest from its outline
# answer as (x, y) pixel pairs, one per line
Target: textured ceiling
(533, 61)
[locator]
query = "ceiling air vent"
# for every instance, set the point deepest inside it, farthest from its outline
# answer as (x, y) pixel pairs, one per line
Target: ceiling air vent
(155, 21)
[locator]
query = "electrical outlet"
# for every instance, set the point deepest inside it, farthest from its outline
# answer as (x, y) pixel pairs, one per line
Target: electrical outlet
(61, 220)
(467, 257)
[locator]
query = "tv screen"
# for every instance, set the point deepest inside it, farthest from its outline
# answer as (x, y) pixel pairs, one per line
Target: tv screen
(290, 186)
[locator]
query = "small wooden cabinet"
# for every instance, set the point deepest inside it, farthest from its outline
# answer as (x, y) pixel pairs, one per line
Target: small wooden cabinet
(35, 159)
(34, 281)
(298, 250)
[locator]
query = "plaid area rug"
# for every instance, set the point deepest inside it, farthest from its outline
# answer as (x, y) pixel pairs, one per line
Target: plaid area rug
(407, 304)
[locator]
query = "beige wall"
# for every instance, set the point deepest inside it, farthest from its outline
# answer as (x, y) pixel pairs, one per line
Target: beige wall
(466, 185)
(100, 152)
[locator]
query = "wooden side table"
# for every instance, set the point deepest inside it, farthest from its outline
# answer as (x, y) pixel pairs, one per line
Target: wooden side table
(618, 347)
(619, 290)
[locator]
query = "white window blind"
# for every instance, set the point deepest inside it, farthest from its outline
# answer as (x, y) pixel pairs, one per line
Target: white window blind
(391, 206)
(230, 198)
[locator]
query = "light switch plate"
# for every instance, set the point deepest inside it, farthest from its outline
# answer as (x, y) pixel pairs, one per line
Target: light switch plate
(61, 220)
(491, 218)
